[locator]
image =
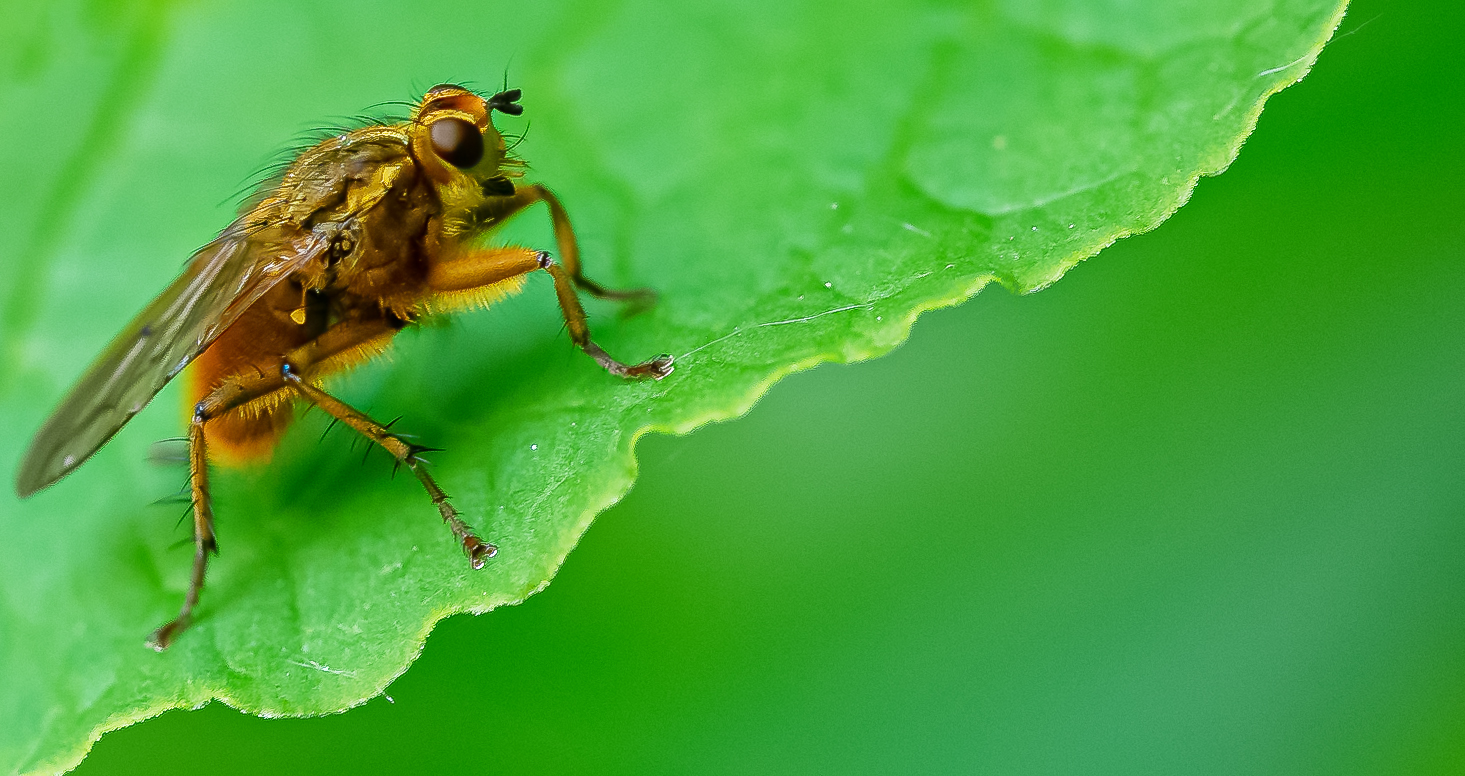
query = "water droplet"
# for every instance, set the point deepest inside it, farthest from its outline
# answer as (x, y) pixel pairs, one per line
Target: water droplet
(534, 447)
(1070, 226)
(1035, 229)
(828, 285)
(879, 318)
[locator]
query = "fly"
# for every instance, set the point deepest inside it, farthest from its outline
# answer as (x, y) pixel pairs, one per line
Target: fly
(363, 235)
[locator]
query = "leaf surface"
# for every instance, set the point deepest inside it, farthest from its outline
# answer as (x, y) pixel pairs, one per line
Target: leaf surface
(799, 181)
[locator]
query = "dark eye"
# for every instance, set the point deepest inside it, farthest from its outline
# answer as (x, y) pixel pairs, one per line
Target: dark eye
(457, 142)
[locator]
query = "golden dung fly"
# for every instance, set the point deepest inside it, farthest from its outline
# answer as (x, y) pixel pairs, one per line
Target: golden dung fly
(361, 236)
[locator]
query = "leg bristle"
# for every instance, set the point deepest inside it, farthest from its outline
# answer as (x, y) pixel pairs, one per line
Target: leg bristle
(330, 426)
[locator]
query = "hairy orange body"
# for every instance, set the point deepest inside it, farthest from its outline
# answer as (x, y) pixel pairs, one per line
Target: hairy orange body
(360, 236)
(253, 344)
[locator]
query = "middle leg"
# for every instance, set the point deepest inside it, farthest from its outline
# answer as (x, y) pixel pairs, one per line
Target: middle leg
(406, 454)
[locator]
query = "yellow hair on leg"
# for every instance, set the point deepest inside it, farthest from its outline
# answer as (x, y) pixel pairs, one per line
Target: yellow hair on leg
(470, 298)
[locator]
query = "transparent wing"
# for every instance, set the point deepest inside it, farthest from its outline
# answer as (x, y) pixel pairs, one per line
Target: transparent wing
(220, 282)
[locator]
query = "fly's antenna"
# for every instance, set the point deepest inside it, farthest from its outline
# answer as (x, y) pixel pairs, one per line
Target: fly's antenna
(507, 101)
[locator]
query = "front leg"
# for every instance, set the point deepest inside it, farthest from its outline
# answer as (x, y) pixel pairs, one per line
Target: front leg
(522, 197)
(492, 266)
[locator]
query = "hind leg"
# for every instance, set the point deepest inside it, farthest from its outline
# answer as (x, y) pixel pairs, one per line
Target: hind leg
(223, 403)
(204, 541)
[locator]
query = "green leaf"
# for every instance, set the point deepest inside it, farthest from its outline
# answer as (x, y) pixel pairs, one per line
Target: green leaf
(798, 181)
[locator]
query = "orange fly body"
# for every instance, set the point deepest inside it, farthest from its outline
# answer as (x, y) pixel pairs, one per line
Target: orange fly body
(363, 234)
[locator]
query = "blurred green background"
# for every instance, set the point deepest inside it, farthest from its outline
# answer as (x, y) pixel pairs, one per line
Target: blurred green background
(1197, 508)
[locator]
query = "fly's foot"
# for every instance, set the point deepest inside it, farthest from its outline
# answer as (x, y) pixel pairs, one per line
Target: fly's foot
(478, 550)
(655, 369)
(165, 635)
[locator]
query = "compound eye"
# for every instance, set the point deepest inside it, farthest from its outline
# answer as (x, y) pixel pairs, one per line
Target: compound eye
(457, 142)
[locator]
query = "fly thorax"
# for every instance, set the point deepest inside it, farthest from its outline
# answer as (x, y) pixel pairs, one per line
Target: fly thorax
(343, 243)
